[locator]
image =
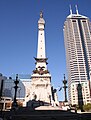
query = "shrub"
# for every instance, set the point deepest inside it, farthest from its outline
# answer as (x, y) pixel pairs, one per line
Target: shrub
(87, 107)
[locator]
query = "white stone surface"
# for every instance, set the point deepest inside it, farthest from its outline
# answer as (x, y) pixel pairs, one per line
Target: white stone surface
(41, 81)
(48, 108)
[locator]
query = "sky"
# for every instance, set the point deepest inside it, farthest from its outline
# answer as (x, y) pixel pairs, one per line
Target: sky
(19, 35)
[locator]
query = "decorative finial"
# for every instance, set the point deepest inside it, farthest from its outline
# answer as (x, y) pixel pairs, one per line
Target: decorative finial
(64, 76)
(16, 76)
(41, 14)
(70, 10)
(76, 9)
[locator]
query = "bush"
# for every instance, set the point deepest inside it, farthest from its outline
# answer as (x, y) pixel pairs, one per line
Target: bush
(87, 107)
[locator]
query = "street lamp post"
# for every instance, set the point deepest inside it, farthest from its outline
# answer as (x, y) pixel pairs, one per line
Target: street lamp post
(80, 97)
(14, 104)
(65, 87)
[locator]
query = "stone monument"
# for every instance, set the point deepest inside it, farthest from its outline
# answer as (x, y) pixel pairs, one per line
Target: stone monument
(41, 88)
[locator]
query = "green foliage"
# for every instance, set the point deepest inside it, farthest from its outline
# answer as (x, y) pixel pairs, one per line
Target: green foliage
(87, 107)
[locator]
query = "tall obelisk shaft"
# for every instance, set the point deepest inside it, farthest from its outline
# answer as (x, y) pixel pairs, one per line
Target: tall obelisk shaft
(41, 38)
(41, 54)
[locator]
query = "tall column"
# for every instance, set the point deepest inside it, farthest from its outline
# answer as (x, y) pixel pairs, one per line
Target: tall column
(41, 54)
(80, 97)
(41, 38)
(41, 78)
(14, 104)
(65, 87)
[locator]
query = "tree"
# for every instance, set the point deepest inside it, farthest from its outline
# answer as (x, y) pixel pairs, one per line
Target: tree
(87, 107)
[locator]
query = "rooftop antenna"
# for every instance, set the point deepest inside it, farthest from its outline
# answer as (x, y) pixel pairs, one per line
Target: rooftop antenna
(70, 10)
(76, 9)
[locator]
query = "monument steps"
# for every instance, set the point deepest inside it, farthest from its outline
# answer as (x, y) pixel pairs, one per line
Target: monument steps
(32, 114)
(28, 113)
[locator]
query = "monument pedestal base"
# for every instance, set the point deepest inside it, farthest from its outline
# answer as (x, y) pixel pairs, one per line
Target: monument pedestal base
(47, 108)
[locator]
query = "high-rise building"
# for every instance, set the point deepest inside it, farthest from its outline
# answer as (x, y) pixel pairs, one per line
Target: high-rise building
(77, 39)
